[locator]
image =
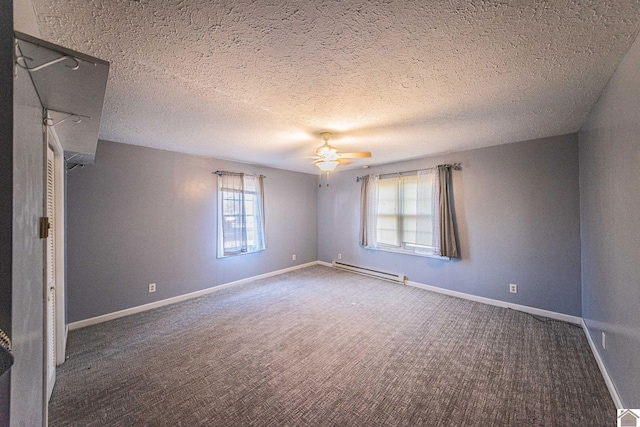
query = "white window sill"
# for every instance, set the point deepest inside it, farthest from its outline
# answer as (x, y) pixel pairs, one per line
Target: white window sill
(218, 256)
(405, 252)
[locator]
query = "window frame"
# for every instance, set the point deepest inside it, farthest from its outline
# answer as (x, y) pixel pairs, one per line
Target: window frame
(404, 247)
(257, 215)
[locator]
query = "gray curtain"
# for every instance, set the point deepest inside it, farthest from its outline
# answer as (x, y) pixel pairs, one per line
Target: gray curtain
(364, 218)
(448, 243)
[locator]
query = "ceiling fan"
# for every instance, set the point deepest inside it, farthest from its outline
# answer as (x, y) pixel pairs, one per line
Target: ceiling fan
(328, 157)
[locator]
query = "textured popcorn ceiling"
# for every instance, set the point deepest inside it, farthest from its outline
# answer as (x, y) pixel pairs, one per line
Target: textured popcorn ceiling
(256, 81)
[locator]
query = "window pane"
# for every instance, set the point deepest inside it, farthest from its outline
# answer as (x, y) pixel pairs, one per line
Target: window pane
(409, 195)
(409, 229)
(387, 230)
(388, 197)
(424, 239)
(387, 221)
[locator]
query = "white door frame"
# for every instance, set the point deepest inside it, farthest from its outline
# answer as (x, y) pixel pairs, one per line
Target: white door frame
(50, 278)
(60, 305)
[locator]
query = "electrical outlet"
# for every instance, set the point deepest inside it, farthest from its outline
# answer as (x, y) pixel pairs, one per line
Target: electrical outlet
(152, 287)
(513, 288)
(604, 341)
(293, 257)
(339, 256)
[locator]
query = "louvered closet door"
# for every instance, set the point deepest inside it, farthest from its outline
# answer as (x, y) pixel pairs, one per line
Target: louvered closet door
(50, 278)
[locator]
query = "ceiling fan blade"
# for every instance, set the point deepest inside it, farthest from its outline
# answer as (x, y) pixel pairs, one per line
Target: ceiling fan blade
(322, 160)
(357, 155)
(344, 161)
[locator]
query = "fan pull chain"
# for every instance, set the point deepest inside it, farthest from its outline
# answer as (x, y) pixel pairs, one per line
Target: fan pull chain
(327, 181)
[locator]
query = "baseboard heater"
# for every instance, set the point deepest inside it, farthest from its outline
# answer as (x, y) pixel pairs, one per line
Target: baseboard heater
(398, 278)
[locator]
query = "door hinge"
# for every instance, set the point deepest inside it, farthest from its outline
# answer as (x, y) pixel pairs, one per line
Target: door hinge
(45, 225)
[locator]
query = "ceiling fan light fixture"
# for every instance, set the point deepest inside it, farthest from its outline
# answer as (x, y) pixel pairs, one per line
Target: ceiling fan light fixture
(328, 157)
(327, 166)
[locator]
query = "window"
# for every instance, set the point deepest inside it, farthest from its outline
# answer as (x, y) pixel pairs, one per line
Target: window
(398, 220)
(240, 214)
(402, 214)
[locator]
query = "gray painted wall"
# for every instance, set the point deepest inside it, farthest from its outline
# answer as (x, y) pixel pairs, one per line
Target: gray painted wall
(141, 215)
(610, 218)
(27, 394)
(6, 187)
(517, 209)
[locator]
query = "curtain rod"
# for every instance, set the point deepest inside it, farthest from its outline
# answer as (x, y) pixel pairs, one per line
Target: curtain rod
(454, 166)
(236, 173)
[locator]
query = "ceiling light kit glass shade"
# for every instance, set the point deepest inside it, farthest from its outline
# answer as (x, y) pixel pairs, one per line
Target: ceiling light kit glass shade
(327, 166)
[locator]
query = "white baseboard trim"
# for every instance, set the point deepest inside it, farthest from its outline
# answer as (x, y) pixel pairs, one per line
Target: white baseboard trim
(138, 309)
(524, 308)
(605, 374)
